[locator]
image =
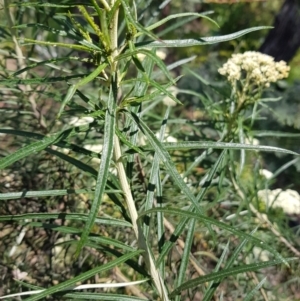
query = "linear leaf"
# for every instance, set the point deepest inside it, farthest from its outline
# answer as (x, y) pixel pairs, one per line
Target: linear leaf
(56, 44)
(41, 193)
(109, 131)
(84, 81)
(96, 238)
(180, 15)
(221, 145)
(215, 222)
(198, 42)
(77, 163)
(205, 187)
(154, 174)
(213, 285)
(275, 134)
(250, 295)
(46, 4)
(113, 186)
(66, 216)
(32, 148)
(39, 80)
(105, 297)
(153, 57)
(228, 272)
(84, 276)
(63, 144)
(136, 24)
(50, 29)
(166, 160)
(46, 62)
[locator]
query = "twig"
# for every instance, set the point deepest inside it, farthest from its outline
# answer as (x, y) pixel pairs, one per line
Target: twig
(265, 220)
(22, 65)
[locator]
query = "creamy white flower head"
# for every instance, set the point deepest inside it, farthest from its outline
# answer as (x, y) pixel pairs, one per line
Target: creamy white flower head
(260, 69)
(288, 200)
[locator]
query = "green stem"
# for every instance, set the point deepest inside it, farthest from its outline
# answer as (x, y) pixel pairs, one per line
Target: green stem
(105, 4)
(142, 243)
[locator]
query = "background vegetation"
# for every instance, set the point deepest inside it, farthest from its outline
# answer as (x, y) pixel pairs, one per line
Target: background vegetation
(58, 230)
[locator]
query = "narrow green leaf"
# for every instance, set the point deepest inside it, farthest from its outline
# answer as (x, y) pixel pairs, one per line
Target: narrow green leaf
(212, 287)
(74, 162)
(45, 4)
(205, 187)
(136, 24)
(102, 240)
(154, 174)
(166, 160)
(63, 144)
(56, 44)
(221, 145)
(47, 28)
(104, 297)
(180, 15)
(84, 81)
(65, 216)
(39, 80)
(71, 91)
(153, 57)
(164, 91)
(46, 62)
(32, 148)
(174, 65)
(94, 238)
(198, 42)
(228, 272)
(42, 193)
(186, 253)
(251, 294)
(274, 134)
(221, 225)
(146, 96)
(84, 276)
(112, 185)
(131, 146)
(160, 224)
(109, 131)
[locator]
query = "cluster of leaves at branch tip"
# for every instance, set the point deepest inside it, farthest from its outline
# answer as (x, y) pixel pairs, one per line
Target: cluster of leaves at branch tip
(251, 72)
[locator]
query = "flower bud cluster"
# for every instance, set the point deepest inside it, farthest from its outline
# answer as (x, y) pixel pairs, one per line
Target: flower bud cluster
(259, 69)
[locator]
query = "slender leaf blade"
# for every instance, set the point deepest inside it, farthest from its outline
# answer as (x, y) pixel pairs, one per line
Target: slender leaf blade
(32, 148)
(200, 41)
(208, 220)
(109, 131)
(84, 276)
(227, 272)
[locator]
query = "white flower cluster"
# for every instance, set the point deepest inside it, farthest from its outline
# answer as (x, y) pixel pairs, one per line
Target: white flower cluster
(288, 200)
(260, 69)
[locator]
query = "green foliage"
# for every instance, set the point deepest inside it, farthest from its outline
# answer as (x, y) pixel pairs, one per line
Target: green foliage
(138, 195)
